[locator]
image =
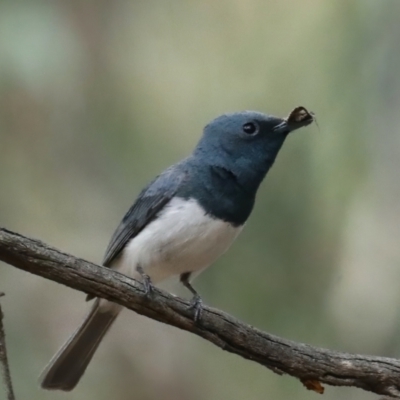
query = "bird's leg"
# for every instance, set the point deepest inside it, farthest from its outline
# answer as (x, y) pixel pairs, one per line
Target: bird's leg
(148, 286)
(196, 303)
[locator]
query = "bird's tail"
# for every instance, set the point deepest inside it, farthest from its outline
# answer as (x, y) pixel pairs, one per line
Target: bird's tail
(69, 364)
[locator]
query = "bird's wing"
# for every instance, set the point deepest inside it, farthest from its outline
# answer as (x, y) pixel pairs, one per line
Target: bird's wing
(149, 203)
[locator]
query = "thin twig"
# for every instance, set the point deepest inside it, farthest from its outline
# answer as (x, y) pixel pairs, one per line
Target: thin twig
(311, 365)
(4, 360)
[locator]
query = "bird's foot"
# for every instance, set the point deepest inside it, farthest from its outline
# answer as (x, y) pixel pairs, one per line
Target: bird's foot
(146, 281)
(196, 304)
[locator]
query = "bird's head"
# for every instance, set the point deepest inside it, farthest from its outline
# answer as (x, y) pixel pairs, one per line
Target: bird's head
(248, 142)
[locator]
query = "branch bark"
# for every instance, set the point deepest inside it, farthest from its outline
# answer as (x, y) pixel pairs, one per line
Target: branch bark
(311, 365)
(4, 359)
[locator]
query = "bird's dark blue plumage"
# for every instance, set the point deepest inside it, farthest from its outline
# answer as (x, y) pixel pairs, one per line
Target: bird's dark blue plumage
(230, 164)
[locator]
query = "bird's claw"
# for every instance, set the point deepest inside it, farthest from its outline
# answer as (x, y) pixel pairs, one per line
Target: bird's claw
(196, 304)
(147, 285)
(146, 281)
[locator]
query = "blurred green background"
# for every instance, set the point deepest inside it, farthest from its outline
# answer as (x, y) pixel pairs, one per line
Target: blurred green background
(97, 97)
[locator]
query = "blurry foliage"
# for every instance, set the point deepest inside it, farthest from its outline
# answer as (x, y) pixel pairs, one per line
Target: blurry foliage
(98, 97)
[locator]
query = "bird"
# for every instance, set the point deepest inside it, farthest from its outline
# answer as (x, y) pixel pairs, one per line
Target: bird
(181, 222)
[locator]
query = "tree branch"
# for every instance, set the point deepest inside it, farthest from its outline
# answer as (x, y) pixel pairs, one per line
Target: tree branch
(309, 364)
(4, 359)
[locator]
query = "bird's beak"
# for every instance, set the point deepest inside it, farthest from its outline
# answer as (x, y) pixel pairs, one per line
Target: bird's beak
(298, 118)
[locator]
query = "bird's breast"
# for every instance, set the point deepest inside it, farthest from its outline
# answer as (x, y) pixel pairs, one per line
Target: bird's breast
(183, 238)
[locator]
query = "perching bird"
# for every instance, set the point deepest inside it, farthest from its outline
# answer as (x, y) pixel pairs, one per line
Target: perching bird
(182, 222)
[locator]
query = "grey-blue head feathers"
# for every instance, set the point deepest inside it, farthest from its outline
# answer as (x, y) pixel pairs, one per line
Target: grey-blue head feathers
(231, 160)
(245, 143)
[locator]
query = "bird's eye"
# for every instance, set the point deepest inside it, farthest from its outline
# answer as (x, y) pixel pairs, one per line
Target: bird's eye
(250, 128)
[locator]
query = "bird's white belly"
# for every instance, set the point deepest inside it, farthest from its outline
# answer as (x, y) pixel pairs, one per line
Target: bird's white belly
(182, 239)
